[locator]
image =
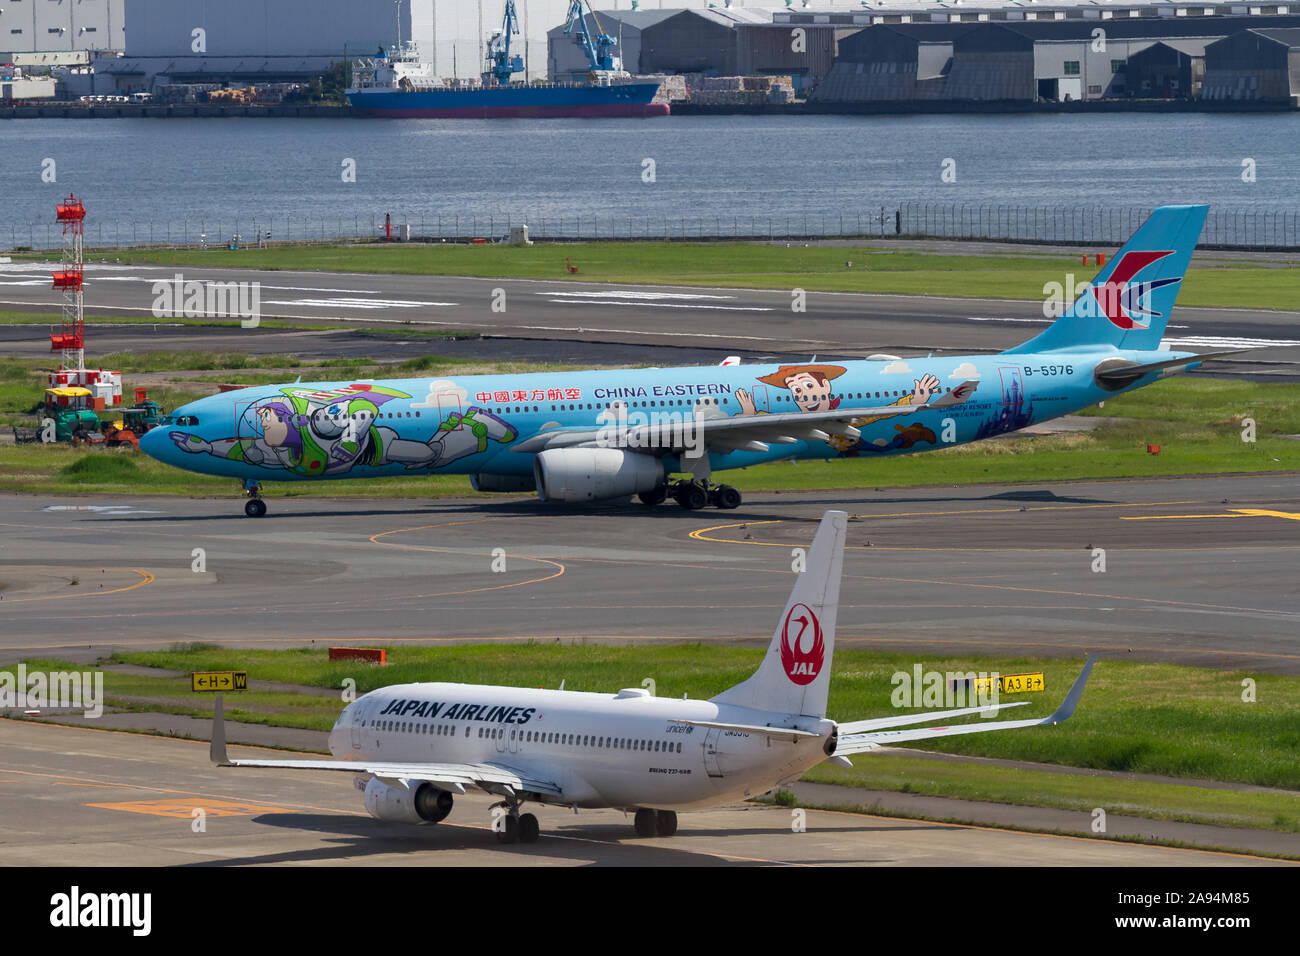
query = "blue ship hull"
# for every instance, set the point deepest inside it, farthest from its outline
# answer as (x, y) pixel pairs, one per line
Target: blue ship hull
(627, 99)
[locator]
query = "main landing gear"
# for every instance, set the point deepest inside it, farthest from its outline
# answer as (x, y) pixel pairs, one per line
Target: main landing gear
(516, 827)
(693, 494)
(254, 507)
(650, 823)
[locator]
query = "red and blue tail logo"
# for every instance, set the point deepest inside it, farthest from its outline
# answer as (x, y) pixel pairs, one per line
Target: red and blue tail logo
(1121, 299)
(1128, 304)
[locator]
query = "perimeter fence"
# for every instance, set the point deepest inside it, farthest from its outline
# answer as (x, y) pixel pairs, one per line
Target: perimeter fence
(1239, 228)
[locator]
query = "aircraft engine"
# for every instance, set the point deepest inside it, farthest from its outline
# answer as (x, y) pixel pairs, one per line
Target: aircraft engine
(423, 803)
(590, 474)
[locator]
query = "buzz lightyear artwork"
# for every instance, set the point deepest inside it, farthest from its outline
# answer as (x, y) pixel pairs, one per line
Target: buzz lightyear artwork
(311, 433)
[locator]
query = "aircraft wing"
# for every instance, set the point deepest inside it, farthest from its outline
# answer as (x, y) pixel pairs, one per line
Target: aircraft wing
(861, 742)
(877, 723)
(736, 432)
(489, 776)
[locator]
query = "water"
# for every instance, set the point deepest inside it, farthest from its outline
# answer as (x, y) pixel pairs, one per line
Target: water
(134, 171)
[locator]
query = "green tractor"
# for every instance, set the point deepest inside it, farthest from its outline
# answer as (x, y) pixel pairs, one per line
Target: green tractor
(142, 416)
(67, 407)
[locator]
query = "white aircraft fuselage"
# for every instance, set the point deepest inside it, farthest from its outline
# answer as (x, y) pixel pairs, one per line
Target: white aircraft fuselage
(615, 750)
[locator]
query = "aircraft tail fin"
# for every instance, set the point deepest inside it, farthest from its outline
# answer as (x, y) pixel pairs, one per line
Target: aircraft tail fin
(1128, 303)
(795, 675)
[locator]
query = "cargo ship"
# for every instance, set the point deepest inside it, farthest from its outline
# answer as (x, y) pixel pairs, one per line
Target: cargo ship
(395, 92)
(398, 83)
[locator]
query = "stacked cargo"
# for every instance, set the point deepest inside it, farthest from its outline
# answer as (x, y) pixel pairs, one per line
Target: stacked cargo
(742, 91)
(673, 87)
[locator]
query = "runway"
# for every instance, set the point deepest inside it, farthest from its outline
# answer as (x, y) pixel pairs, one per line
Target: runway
(758, 324)
(1196, 571)
(80, 797)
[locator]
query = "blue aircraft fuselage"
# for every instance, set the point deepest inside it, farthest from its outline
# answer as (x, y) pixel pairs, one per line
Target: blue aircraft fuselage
(471, 424)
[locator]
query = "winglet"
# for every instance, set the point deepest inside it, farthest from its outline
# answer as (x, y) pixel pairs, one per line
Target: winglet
(217, 752)
(1066, 710)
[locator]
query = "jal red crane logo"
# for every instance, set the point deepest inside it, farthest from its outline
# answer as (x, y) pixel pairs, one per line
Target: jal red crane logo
(802, 630)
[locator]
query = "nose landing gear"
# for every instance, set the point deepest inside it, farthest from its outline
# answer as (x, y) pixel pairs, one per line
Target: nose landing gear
(254, 507)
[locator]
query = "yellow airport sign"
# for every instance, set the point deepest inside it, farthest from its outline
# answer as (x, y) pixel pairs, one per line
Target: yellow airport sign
(219, 680)
(1007, 684)
(1012, 683)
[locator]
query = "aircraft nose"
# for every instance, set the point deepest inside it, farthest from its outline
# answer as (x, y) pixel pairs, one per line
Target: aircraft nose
(155, 441)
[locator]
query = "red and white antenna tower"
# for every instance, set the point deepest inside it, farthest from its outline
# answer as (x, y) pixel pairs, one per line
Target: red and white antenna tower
(71, 341)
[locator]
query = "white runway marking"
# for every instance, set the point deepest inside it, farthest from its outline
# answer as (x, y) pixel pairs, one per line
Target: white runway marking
(88, 268)
(1224, 342)
(985, 318)
(635, 294)
(103, 509)
(350, 303)
(263, 285)
(666, 305)
(982, 318)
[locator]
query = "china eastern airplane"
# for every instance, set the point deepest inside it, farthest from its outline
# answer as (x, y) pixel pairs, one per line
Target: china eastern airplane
(655, 433)
(413, 747)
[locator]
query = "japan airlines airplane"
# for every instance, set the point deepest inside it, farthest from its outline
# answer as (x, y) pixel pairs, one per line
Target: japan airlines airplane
(588, 436)
(413, 747)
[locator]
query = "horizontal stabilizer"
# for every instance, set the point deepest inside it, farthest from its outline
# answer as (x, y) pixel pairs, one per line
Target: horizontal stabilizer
(853, 743)
(1118, 375)
(879, 723)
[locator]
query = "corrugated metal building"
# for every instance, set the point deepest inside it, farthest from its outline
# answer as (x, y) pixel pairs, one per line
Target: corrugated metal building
(1021, 61)
(898, 61)
(1258, 64)
(661, 41)
(267, 40)
(771, 49)
(39, 26)
(1170, 68)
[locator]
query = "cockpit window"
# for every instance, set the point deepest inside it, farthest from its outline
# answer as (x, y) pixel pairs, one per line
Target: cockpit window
(188, 421)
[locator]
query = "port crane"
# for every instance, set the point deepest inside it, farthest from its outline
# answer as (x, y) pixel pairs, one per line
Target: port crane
(500, 64)
(599, 49)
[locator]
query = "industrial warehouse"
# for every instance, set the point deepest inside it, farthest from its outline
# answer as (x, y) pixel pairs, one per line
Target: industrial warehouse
(895, 55)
